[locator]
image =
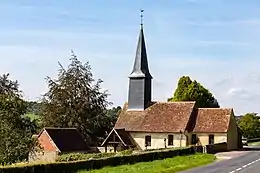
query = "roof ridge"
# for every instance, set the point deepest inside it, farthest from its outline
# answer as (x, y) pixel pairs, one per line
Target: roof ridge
(216, 108)
(60, 127)
(176, 102)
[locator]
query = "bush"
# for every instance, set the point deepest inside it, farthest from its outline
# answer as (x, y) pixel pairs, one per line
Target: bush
(166, 149)
(253, 140)
(82, 156)
(87, 156)
(73, 167)
(126, 152)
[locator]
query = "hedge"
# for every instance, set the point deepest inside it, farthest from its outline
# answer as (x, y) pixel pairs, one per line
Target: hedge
(253, 140)
(73, 167)
(82, 156)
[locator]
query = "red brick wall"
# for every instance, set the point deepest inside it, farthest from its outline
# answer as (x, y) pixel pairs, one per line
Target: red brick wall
(46, 142)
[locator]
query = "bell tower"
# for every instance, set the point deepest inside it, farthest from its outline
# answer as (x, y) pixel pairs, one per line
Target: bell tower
(140, 79)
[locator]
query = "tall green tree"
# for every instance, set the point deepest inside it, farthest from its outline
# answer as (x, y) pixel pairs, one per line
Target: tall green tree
(188, 90)
(16, 130)
(250, 125)
(75, 99)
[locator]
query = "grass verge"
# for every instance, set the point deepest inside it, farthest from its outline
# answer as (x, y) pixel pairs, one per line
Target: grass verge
(254, 143)
(170, 165)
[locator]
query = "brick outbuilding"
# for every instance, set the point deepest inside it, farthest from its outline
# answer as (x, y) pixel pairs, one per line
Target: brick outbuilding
(55, 141)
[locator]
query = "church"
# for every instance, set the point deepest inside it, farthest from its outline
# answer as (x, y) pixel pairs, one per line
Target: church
(145, 124)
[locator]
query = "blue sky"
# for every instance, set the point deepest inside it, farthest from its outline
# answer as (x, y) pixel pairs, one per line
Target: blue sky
(215, 42)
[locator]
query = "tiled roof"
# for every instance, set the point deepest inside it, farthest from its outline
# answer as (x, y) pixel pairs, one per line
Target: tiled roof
(67, 139)
(212, 120)
(160, 117)
(126, 138)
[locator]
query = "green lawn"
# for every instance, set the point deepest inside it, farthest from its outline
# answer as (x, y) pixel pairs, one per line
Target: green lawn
(254, 143)
(169, 165)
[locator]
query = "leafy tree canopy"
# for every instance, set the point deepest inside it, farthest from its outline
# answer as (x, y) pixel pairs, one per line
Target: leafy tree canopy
(75, 99)
(188, 90)
(33, 107)
(16, 130)
(250, 125)
(112, 115)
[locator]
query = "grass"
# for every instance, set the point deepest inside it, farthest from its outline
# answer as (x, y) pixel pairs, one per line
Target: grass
(170, 165)
(32, 116)
(254, 143)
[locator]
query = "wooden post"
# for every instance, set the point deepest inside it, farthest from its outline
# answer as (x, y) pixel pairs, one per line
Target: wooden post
(105, 147)
(114, 147)
(180, 138)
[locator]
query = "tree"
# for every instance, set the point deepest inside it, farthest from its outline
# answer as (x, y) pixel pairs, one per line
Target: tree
(107, 123)
(33, 107)
(75, 99)
(112, 115)
(188, 90)
(16, 130)
(250, 125)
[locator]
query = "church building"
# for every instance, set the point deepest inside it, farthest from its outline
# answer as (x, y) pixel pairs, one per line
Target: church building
(146, 124)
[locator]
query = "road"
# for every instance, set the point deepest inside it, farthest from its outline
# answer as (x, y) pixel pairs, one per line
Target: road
(249, 162)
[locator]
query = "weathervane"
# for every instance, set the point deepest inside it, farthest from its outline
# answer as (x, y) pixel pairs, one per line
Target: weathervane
(141, 10)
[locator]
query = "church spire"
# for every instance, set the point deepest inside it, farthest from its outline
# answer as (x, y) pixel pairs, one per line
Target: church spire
(140, 79)
(141, 68)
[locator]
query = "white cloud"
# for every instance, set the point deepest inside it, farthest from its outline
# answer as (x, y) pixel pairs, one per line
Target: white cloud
(240, 93)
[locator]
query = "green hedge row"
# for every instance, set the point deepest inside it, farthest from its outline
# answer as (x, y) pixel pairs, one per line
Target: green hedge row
(73, 167)
(253, 140)
(82, 156)
(85, 156)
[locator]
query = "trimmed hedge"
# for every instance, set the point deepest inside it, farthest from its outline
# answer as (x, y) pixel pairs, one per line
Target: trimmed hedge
(73, 167)
(253, 140)
(82, 156)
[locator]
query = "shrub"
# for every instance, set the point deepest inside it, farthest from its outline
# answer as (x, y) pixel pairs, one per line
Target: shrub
(87, 156)
(126, 152)
(73, 167)
(82, 156)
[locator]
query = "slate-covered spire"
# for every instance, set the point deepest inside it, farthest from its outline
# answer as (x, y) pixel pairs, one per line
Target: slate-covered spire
(140, 79)
(141, 68)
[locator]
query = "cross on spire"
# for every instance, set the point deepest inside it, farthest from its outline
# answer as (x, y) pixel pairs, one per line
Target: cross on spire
(141, 16)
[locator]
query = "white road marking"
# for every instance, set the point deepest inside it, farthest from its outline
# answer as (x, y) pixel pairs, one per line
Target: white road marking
(238, 169)
(244, 166)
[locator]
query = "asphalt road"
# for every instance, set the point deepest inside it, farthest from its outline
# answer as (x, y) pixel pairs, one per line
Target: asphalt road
(247, 163)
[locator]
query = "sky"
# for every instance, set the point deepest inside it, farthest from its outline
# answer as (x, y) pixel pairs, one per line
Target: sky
(215, 42)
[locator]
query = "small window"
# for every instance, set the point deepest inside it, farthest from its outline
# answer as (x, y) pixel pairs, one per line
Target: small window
(170, 140)
(211, 139)
(193, 139)
(147, 141)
